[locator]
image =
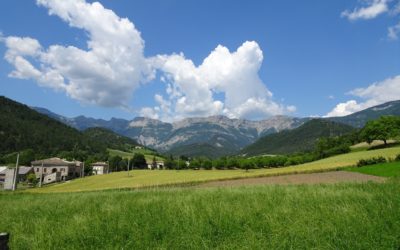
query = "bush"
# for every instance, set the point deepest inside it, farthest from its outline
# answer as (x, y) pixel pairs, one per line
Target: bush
(371, 161)
(397, 158)
(31, 178)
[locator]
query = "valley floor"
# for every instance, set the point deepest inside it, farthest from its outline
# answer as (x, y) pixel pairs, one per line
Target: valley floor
(156, 178)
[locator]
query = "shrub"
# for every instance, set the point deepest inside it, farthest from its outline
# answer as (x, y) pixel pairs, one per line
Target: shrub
(31, 178)
(397, 158)
(371, 161)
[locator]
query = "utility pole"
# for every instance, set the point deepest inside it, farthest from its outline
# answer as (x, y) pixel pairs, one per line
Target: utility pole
(128, 165)
(15, 180)
(41, 176)
(83, 169)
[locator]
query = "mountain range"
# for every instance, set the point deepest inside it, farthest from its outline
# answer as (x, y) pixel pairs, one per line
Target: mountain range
(211, 136)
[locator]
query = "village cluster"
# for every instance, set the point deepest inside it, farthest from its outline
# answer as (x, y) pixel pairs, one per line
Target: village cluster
(56, 170)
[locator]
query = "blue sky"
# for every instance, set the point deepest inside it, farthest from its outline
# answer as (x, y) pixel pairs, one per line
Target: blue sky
(317, 57)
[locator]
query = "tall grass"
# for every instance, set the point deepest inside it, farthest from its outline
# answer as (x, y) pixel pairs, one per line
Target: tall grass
(345, 216)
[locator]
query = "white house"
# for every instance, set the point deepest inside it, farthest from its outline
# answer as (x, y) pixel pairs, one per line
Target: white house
(100, 168)
(155, 164)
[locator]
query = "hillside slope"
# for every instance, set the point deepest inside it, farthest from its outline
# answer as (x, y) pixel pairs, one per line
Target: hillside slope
(110, 139)
(23, 128)
(359, 119)
(297, 140)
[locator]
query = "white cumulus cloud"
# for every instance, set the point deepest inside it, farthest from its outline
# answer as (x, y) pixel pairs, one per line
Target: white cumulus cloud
(113, 66)
(375, 94)
(191, 89)
(373, 9)
(105, 73)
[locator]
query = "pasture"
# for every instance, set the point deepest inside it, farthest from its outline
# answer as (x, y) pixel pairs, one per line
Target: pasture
(154, 178)
(390, 169)
(148, 154)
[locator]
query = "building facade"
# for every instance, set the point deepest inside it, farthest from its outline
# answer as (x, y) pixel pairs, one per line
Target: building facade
(68, 169)
(155, 164)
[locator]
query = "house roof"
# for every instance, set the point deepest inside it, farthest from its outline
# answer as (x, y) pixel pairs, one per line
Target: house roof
(24, 170)
(3, 169)
(21, 170)
(55, 161)
(151, 162)
(100, 164)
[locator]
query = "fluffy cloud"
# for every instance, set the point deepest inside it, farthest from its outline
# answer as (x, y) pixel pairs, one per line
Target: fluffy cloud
(372, 10)
(105, 74)
(394, 31)
(375, 8)
(375, 94)
(108, 71)
(191, 89)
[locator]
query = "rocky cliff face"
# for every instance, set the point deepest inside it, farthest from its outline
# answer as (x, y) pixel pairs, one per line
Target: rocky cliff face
(217, 132)
(211, 134)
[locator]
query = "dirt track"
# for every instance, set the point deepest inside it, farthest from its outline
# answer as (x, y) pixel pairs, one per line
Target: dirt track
(315, 178)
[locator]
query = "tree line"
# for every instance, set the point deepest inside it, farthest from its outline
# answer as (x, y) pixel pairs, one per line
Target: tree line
(384, 128)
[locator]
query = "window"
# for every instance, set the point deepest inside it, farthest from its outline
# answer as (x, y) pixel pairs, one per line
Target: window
(44, 170)
(37, 169)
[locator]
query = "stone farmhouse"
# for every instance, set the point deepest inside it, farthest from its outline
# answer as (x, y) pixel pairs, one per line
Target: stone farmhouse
(67, 169)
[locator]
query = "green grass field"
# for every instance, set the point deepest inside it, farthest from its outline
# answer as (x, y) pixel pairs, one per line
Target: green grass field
(343, 216)
(391, 169)
(148, 154)
(148, 178)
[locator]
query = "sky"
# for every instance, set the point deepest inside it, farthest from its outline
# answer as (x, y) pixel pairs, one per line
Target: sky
(170, 59)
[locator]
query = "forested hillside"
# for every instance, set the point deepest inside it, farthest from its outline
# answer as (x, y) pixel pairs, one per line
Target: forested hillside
(35, 135)
(110, 139)
(297, 140)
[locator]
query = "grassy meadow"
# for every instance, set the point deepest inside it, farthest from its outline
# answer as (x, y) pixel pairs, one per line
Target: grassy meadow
(148, 154)
(390, 169)
(342, 216)
(149, 178)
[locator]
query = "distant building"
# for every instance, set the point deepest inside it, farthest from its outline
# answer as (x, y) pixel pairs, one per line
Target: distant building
(9, 174)
(23, 172)
(155, 164)
(68, 169)
(2, 173)
(138, 147)
(100, 168)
